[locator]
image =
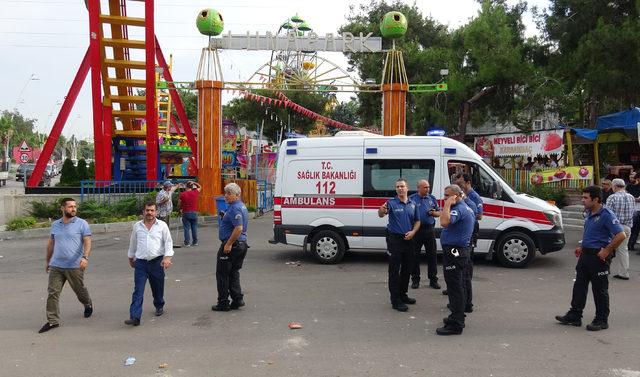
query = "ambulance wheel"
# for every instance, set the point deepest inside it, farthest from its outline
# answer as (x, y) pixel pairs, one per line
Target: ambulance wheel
(515, 250)
(327, 247)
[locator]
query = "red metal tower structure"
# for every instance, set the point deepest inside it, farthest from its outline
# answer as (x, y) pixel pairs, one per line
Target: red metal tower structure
(114, 75)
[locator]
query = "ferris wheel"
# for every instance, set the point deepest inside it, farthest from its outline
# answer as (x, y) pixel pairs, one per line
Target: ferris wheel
(302, 70)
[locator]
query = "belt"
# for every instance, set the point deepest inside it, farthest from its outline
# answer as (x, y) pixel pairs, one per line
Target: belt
(152, 260)
(396, 235)
(225, 241)
(590, 251)
(427, 225)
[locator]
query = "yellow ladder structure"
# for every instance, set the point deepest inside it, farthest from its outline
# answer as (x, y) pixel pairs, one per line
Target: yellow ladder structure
(163, 104)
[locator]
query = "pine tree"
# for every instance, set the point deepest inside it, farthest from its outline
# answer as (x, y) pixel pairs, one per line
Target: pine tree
(68, 175)
(83, 172)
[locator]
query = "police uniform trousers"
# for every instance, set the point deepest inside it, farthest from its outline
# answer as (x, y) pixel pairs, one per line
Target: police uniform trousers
(228, 272)
(455, 261)
(425, 236)
(401, 256)
(591, 269)
(468, 272)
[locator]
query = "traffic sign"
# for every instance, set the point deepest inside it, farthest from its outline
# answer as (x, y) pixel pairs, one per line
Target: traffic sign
(24, 147)
(25, 157)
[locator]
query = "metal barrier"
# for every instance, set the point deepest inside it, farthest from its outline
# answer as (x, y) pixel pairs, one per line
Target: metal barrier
(113, 191)
(265, 197)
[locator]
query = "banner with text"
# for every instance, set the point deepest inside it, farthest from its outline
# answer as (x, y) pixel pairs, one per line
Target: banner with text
(567, 172)
(528, 145)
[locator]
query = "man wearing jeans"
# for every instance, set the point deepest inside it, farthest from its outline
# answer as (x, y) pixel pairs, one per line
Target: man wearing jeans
(150, 252)
(188, 204)
(67, 257)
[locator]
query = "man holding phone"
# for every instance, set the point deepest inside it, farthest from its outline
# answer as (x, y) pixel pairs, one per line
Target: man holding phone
(404, 223)
(457, 221)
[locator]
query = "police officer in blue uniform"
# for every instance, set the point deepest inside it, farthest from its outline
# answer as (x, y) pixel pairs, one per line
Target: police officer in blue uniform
(602, 235)
(457, 221)
(428, 210)
(403, 224)
(473, 200)
(233, 249)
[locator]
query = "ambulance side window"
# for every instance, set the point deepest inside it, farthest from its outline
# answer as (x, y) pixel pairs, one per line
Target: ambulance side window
(483, 182)
(380, 175)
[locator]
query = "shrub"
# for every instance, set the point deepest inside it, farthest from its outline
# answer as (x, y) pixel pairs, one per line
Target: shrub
(82, 171)
(68, 174)
(21, 223)
(44, 210)
(543, 192)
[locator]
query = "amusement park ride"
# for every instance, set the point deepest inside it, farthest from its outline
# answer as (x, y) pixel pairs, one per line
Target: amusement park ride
(133, 92)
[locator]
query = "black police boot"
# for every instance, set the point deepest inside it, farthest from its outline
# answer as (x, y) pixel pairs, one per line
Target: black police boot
(407, 300)
(415, 283)
(569, 319)
(400, 306)
(221, 308)
(449, 330)
(597, 325)
(434, 284)
(236, 304)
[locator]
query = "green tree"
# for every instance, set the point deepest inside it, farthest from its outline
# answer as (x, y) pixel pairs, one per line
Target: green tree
(5, 134)
(252, 114)
(68, 174)
(347, 112)
(82, 171)
(92, 170)
(593, 51)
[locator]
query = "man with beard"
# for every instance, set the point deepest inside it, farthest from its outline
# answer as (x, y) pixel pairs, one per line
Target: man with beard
(67, 257)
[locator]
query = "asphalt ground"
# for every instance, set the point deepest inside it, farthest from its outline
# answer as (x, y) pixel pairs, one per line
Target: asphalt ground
(348, 325)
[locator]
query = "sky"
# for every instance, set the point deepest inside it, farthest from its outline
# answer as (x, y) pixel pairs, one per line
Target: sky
(42, 43)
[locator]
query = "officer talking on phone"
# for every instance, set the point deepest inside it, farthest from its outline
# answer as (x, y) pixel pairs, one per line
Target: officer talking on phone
(403, 224)
(457, 221)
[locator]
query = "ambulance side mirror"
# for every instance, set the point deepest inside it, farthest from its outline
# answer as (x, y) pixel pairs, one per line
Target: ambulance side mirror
(496, 190)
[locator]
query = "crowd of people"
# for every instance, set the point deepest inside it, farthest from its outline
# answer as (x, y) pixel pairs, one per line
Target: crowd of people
(612, 224)
(530, 163)
(150, 252)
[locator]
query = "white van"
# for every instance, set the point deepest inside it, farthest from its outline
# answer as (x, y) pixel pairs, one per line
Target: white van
(328, 191)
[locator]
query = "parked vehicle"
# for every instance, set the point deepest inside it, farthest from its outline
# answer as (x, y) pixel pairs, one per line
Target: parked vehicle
(328, 190)
(20, 172)
(44, 181)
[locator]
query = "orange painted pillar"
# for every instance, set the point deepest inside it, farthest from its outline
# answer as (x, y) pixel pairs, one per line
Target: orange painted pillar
(209, 143)
(394, 109)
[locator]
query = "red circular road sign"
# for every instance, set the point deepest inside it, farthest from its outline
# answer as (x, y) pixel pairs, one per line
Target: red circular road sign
(24, 157)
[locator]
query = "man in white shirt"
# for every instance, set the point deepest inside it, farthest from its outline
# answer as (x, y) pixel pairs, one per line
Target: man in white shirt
(150, 252)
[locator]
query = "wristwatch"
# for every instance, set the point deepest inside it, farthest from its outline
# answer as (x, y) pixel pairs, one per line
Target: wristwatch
(85, 257)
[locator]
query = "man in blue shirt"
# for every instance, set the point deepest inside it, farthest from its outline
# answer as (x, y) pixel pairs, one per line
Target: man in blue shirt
(67, 257)
(473, 200)
(457, 221)
(403, 224)
(233, 249)
(602, 235)
(428, 210)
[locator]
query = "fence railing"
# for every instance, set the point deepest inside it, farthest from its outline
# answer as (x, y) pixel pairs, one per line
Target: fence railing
(520, 179)
(113, 191)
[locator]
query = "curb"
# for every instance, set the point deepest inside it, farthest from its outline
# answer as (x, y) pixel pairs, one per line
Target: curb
(96, 228)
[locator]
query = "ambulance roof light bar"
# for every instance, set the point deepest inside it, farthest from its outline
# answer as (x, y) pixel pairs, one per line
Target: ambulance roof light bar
(356, 133)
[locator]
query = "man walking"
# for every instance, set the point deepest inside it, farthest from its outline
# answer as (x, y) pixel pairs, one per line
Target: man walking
(602, 235)
(150, 252)
(428, 210)
(188, 204)
(622, 204)
(67, 257)
(634, 189)
(403, 224)
(457, 221)
(232, 251)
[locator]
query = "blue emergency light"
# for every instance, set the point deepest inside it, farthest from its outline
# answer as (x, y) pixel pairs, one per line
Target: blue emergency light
(449, 151)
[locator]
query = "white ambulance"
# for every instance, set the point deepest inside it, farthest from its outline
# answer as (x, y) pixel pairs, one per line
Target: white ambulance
(328, 190)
